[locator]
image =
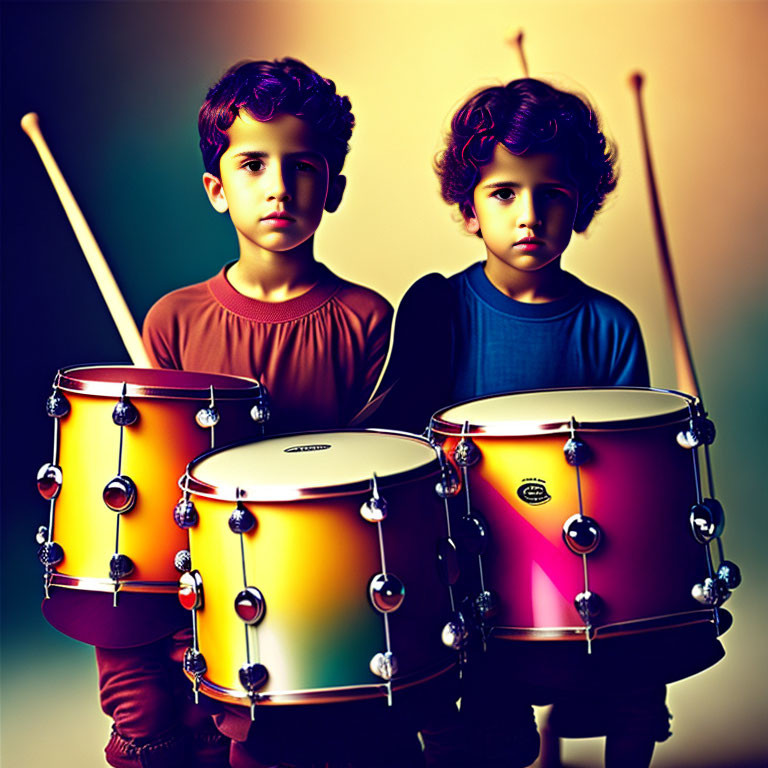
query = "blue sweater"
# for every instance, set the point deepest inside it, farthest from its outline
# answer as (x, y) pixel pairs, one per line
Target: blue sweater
(587, 338)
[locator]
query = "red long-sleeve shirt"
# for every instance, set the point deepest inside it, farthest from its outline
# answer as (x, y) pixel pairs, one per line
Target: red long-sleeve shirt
(319, 354)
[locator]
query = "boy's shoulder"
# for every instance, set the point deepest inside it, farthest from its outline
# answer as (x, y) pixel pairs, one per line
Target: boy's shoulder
(182, 299)
(363, 301)
(604, 302)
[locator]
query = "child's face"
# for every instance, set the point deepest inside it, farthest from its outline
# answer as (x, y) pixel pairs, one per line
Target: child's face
(524, 207)
(274, 182)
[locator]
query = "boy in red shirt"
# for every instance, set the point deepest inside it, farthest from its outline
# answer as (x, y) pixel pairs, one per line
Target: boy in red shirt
(274, 137)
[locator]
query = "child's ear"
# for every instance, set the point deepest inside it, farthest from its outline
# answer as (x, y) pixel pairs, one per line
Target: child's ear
(470, 219)
(336, 188)
(215, 192)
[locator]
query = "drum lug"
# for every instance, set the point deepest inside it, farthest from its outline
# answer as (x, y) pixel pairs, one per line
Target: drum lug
(466, 453)
(124, 413)
(120, 494)
(191, 590)
(50, 554)
(261, 412)
(589, 605)
(185, 513)
(700, 431)
(384, 665)
(250, 606)
(253, 676)
(194, 662)
(473, 533)
(455, 633)
(57, 406)
(182, 561)
(375, 509)
(207, 417)
(707, 520)
(581, 534)
(486, 606)
(729, 574)
(386, 592)
(707, 592)
(576, 451)
(120, 566)
(448, 562)
(448, 485)
(42, 534)
(241, 520)
(49, 481)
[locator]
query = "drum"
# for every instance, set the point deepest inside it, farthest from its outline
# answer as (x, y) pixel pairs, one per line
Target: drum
(122, 436)
(581, 510)
(318, 568)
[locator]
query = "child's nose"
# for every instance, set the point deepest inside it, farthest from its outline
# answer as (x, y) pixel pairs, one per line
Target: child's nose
(527, 211)
(277, 188)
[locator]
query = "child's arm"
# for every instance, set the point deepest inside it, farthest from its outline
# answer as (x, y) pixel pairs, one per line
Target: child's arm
(630, 366)
(417, 379)
(160, 336)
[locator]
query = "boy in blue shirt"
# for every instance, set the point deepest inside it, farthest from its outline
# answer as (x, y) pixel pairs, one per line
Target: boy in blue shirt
(527, 165)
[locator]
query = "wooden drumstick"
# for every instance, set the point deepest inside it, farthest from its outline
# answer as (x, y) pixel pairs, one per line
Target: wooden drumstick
(687, 380)
(517, 42)
(121, 315)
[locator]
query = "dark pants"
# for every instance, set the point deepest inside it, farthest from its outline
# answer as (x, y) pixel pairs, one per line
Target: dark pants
(618, 691)
(360, 734)
(156, 723)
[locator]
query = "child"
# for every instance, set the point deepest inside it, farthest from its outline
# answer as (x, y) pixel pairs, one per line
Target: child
(527, 165)
(274, 137)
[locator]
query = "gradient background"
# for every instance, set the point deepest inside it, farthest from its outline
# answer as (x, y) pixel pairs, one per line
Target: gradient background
(118, 86)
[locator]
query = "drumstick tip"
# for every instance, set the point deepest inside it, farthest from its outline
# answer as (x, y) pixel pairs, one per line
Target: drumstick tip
(514, 37)
(29, 122)
(636, 80)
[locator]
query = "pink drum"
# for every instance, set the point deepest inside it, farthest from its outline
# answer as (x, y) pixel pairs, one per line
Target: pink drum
(585, 511)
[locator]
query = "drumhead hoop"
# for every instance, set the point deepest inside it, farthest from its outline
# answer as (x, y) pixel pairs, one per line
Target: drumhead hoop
(538, 412)
(311, 465)
(108, 380)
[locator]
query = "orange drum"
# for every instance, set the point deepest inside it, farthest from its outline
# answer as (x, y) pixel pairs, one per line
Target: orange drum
(122, 436)
(584, 510)
(320, 571)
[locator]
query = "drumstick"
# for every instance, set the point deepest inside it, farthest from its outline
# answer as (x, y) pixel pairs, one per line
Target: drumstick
(687, 380)
(517, 42)
(121, 315)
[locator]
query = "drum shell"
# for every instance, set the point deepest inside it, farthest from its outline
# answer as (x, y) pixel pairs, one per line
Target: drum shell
(155, 452)
(313, 560)
(639, 485)
(82, 601)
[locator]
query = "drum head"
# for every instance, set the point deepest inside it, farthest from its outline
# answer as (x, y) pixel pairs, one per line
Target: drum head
(108, 381)
(541, 411)
(311, 465)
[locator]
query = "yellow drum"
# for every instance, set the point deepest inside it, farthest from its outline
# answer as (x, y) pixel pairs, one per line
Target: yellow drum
(321, 568)
(122, 435)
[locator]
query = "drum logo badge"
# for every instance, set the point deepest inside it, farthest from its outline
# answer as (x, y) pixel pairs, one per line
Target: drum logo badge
(533, 491)
(305, 448)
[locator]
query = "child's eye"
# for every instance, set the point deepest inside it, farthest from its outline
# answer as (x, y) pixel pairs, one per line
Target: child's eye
(254, 165)
(503, 194)
(305, 167)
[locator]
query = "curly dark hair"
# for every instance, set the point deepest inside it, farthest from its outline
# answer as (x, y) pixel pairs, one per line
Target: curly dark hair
(527, 115)
(266, 88)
